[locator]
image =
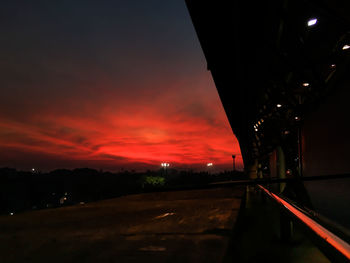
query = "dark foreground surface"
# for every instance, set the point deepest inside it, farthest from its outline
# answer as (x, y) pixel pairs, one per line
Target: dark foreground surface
(257, 237)
(182, 226)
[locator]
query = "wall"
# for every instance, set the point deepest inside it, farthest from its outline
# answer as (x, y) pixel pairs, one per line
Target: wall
(325, 135)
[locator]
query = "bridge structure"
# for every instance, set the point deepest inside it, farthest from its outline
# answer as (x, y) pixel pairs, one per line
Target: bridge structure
(281, 68)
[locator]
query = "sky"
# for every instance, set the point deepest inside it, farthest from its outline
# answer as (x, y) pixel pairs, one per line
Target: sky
(108, 85)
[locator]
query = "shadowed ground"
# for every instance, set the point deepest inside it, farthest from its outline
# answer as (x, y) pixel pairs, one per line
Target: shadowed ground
(183, 226)
(257, 238)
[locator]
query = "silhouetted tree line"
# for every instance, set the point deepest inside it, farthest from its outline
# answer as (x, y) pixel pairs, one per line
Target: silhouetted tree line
(22, 190)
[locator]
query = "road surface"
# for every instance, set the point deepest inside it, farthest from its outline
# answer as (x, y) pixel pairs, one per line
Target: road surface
(179, 226)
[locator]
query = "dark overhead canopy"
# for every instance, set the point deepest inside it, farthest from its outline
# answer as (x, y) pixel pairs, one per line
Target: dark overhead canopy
(263, 54)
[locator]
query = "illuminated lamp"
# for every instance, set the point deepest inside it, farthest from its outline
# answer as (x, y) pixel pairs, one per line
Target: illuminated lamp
(312, 22)
(345, 47)
(333, 66)
(306, 84)
(256, 130)
(209, 164)
(279, 105)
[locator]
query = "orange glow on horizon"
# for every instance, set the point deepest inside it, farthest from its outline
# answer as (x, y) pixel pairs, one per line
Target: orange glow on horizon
(110, 88)
(187, 129)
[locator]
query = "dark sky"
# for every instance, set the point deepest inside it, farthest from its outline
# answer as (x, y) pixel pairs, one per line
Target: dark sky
(106, 84)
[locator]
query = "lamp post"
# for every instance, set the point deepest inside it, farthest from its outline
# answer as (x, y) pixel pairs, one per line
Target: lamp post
(165, 166)
(210, 167)
(234, 162)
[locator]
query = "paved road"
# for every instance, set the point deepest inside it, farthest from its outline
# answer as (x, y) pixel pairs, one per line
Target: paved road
(183, 226)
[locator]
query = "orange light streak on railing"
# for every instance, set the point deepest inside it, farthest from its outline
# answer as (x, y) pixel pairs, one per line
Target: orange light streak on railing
(336, 242)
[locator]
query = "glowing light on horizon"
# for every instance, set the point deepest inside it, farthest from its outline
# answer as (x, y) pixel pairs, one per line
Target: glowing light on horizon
(345, 47)
(209, 164)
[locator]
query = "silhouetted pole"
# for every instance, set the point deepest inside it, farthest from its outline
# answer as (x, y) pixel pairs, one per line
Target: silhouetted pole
(234, 162)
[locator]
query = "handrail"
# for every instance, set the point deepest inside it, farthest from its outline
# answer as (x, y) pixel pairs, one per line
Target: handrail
(333, 240)
(335, 228)
(275, 180)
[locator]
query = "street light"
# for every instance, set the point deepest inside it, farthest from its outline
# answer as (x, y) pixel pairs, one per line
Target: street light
(312, 22)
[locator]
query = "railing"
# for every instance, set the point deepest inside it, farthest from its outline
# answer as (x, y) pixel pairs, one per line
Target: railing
(336, 248)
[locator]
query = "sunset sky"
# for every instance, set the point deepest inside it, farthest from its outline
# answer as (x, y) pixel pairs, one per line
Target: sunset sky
(107, 85)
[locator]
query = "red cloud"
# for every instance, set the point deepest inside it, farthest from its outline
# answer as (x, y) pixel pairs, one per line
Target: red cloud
(183, 126)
